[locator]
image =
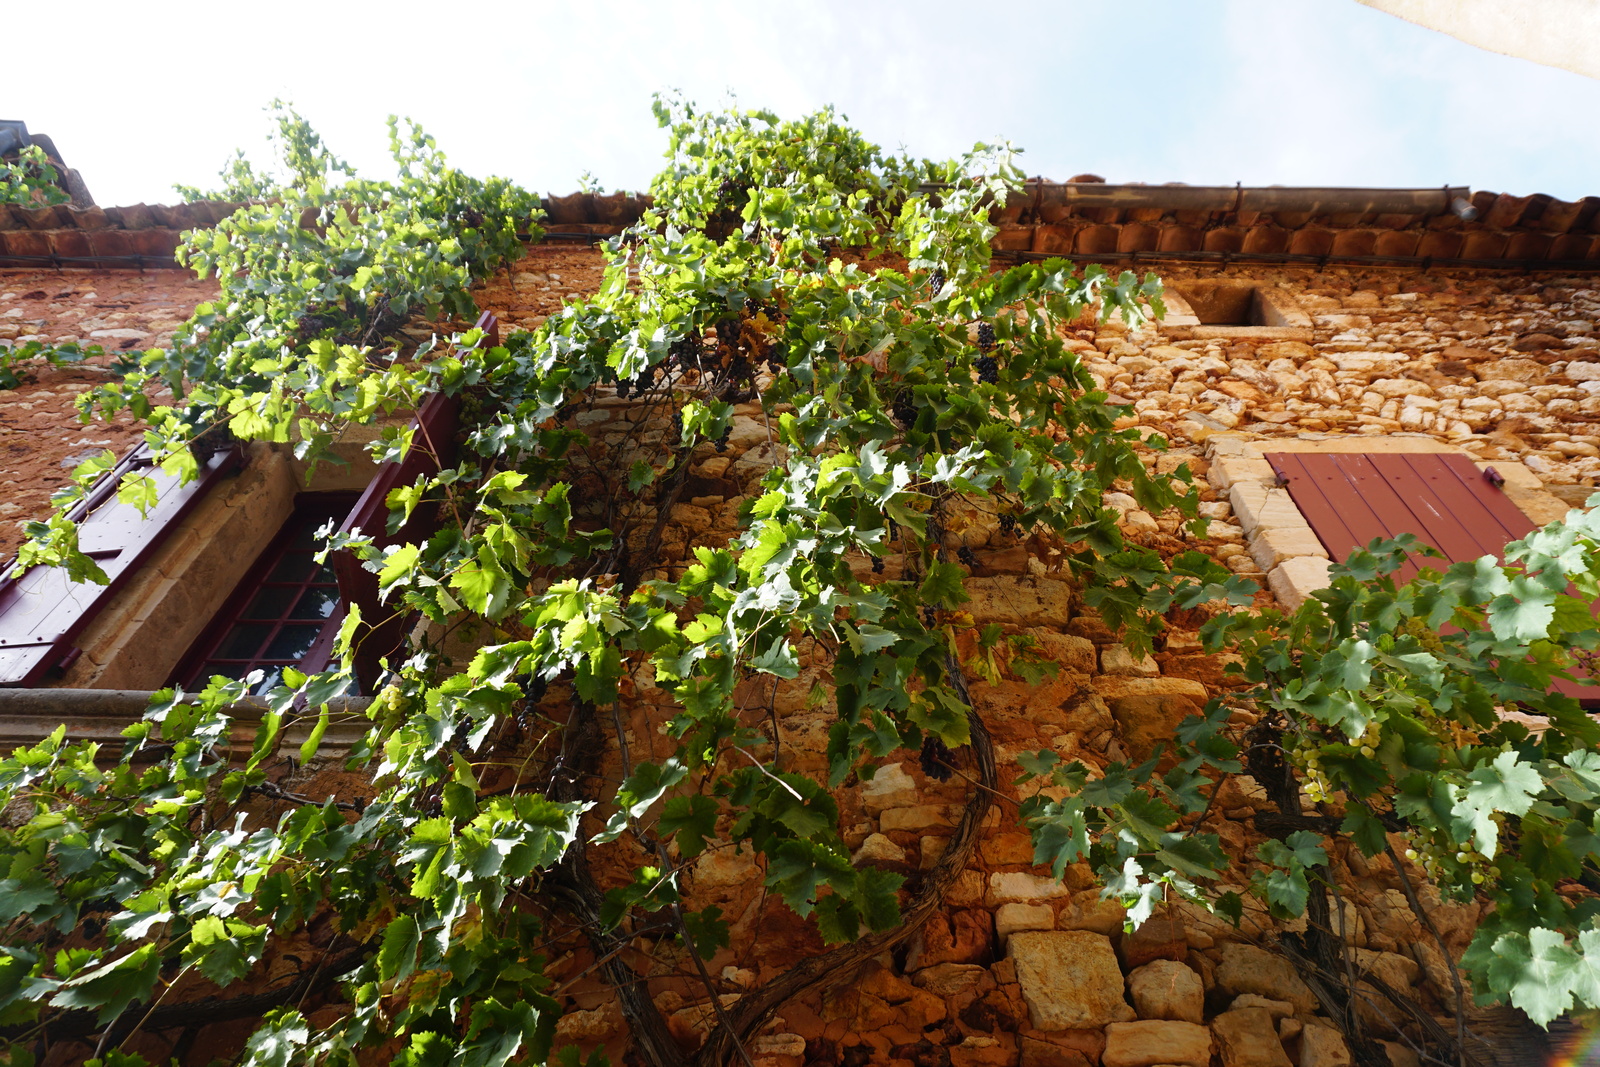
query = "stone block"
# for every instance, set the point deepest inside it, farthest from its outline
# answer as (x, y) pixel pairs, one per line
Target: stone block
(1323, 1046)
(878, 849)
(1273, 544)
(1278, 1009)
(962, 937)
(1020, 887)
(1069, 651)
(1248, 1037)
(1015, 600)
(1228, 471)
(1014, 918)
(1070, 980)
(1398, 972)
(916, 818)
(889, 787)
(1037, 1053)
(954, 979)
(1155, 1042)
(1115, 659)
(1148, 710)
(1167, 989)
(1157, 938)
(1248, 969)
(1256, 505)
(1088, 910)
(1293, 580)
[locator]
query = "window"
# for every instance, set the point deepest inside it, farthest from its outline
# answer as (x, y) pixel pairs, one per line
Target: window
(156, 625)
(1234, 308)
(1444, 499)
(285, 613)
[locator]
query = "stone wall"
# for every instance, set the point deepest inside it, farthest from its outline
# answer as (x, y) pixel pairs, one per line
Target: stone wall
(1019, 969)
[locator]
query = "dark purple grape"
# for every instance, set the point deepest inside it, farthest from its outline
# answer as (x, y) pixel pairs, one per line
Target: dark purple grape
(988, 369)
(986, 339)
(905, 408)
(936, 757)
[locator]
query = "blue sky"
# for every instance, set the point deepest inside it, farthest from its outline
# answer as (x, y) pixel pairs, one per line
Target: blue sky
(1291, 92)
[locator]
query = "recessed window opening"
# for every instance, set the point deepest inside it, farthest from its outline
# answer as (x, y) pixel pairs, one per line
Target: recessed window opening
(284, 613)
(1227, 303)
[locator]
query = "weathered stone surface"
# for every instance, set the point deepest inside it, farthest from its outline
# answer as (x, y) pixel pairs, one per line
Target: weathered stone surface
(917, 818)
(1157, 938)
(1148, 710)
(1014, 918)
(1397, 972)
(1088, 910)
(889, 787)
(1167, 989)
(961, 937)
(1039, 1053)
(1323, 1046)
(1115, 659)
(878, 849)
(1020, 887)
(1294, 580)
(1153, 1043)
(953, 979)
(1248, 1037)
(1069, 978)
(1020, 601)
(1276, 1008)
(1248, 969)
(1273, 545)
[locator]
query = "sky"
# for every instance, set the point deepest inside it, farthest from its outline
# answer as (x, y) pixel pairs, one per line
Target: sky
(1264, 92)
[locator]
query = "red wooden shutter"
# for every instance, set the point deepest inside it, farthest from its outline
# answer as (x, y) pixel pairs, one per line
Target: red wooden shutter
(43, 612)
(1351, 497)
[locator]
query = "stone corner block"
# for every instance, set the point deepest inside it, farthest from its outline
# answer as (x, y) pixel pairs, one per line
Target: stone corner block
(1273, 544)
(1293, 580)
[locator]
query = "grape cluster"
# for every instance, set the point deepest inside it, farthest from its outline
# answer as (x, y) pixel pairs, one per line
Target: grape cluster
(722, 442)
(1439, 861)
(936, 281)
(778, 358)
(988, 369)
(684, 352)
(677, 425)
(964, 554)
(986, 340)
(1307, 755)
(877, 564)
(935, 759)
(640, 384)
(905, 408)
(1008, 524)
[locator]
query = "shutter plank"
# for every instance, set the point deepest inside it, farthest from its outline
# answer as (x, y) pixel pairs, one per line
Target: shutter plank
(43, 612)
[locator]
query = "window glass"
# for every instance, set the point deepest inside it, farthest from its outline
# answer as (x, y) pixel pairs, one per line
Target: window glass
(283, 609)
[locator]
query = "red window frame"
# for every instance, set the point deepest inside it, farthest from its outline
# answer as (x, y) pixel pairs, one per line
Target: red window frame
(285, 612)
